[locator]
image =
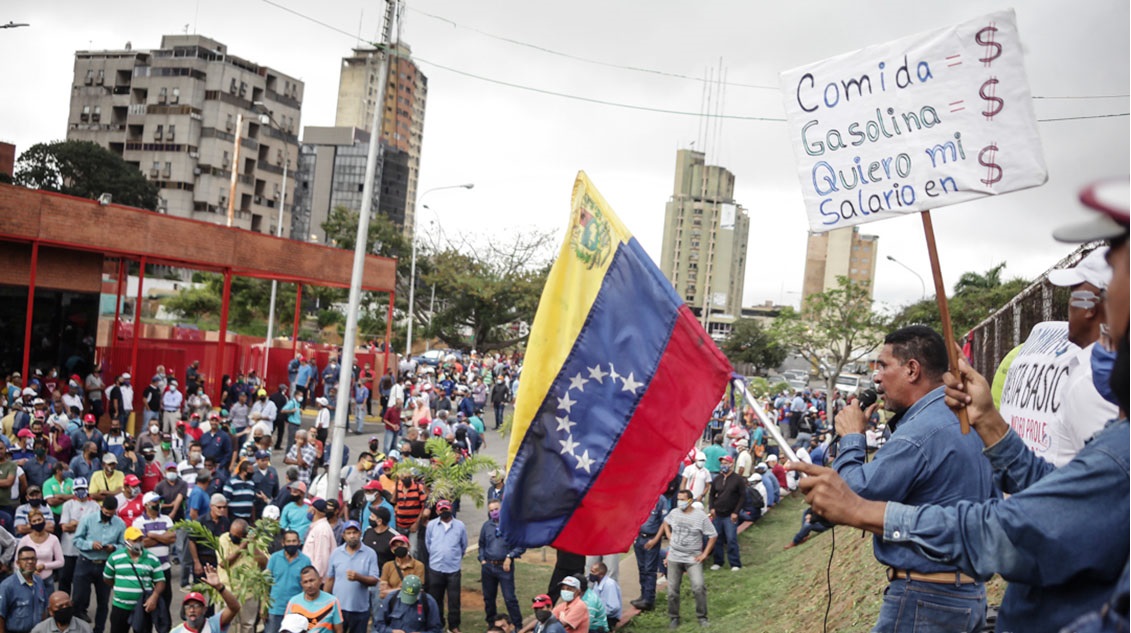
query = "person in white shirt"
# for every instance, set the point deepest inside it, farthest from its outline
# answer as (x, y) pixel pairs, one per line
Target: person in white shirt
(1082, 410)
(696, 477)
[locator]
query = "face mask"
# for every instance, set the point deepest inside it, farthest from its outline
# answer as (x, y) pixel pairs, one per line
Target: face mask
(310, 516)
(89, 425)
(63, 616)
(40, 452)
(38, 527)
(106, 518)
(445, 515)
(156, 507)
(135, 547)
(724, 469)
(291, 550)
(81, 493)
(683, 505)
(594, 578)
(568, 595)
(298, 398)
(154, 430)
(493, 515)
(1103, 364)
(700, 464)
(543, 615)
(297, 498)
(35, 503)
(171, 476)
(236, 540)
(149, 457)
(370, 496)
(166, 446)
(400, 552)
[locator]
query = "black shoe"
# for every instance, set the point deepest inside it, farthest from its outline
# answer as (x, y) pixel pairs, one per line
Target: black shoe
(674, 624)
(641, 605)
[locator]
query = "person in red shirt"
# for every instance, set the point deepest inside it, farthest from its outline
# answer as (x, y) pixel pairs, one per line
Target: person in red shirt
(392, 420)
(152, 475)
(133, 507)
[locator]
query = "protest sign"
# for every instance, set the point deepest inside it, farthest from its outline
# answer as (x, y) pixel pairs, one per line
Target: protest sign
(1033, 387)
(918, 123)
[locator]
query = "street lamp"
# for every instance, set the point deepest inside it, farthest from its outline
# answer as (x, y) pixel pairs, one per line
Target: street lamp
(412, 266)
(922, 284)
(266, 119)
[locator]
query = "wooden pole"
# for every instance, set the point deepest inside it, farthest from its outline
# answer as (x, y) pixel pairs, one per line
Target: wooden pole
(944, 307)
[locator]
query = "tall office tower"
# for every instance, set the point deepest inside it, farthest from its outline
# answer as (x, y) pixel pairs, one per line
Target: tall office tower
(331, 173)
(402, 124)
(173, 112)
(705, 239)
(839, 253)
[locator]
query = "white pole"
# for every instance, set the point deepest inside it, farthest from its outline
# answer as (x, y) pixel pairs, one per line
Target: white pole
(275, 282)
(769, 425)
(235, 170)
(345, 378)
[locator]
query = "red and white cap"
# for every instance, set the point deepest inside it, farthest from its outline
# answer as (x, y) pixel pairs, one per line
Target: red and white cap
(1112, 198)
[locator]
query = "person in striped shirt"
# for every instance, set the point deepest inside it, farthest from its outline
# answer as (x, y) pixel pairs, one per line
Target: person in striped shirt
(131, 572)
(240, 491)
(158, 537)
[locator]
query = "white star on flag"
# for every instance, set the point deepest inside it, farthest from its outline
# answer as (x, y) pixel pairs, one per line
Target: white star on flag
(565, 403)
(568, 445)
(584, 461)
(630, 384)
(595, 373)
(613, 373)
(565, 424)
(578, 382)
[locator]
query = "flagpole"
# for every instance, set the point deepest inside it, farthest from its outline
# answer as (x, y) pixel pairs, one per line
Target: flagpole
(771, 427)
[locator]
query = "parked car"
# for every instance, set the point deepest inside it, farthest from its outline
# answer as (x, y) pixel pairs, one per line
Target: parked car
(432, 357)
(849, 384)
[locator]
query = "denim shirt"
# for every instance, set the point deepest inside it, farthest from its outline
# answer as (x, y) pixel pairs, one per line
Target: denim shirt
(1060, 540)
(493, 545)
(655, 517)
(927, 461)
(21, 604)
(446, 546)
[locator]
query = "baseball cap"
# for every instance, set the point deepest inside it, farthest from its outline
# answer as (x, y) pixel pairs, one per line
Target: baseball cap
(261, 392)
(80, 483)
(170, 465)
(771, 457)
(332, 505)
(351, 525)
(410, 589)
(437, 431)
(1112, 198)
(294, 623)
(28, 391)
(271, 512)
(322, 401)
(727, 458)
(372, 484)
(400, 538)
(755, 478)
(109, 458)
(298, 485)
(444, 505)
(126, 376)
(25, 433)
(197, 596)
(1093, 269)
(742, 443)
(542, 601)
(132, 480)
(150, 497)
(132, 534)
(571, 581)
(319, 505)
(89, 418)
(262, 455)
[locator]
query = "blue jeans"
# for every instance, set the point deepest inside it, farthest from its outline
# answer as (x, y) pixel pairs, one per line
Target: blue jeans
(494, 578)
(807, 528)
(922, 607)
(390, 440)
(728, 533)
(273, 624)
(359, 414)
(355, 621)
(647, 565)
(88, 573)
(499, 409)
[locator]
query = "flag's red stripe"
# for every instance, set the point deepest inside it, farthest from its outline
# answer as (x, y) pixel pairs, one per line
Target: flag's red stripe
(671, 415)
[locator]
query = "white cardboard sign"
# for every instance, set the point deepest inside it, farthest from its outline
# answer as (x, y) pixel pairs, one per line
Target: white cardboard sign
(1034, 386)
(918, 123)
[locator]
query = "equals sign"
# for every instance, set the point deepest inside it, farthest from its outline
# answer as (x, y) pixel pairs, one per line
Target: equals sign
(956, 106)
(954, 60)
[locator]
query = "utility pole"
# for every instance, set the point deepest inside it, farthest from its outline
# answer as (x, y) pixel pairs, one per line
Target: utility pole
(372, 169)
(235, 170)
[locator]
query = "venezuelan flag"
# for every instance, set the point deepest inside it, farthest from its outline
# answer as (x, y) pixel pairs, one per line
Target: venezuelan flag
(619, 381)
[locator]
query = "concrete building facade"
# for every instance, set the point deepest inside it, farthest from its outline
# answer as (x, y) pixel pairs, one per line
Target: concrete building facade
(173, 112)
(331, 173)
(402, 123)
(705, 241)
(839, 253)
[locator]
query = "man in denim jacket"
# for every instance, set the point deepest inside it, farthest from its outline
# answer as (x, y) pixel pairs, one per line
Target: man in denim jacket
(927, 461)
(1060, 539)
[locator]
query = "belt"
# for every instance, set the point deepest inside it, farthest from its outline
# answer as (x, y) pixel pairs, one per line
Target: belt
(940, 578)
(647, 535)
(494, 562)
(94, 561)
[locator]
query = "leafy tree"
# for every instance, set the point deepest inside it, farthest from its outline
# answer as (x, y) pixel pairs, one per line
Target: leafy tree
(246, 580)
(484, 293)
(85, 169)
(839, 327)
(446, 475)
(194, 301)
(976, 296)
(749, 342)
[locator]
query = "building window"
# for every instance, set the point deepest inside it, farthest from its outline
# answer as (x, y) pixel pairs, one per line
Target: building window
(168, 169)
(279, 157)
(85, 116)
(172, 133)
(227, 160)
(156, 171)
(234, 87)
(89, 76)
(159, 133)
(101, 77)
(243, 89)
(230, 124)
(176, 95)
(97, 116)
(162, 95)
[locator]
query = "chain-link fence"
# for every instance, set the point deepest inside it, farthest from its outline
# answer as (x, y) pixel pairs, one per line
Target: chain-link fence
(1007, 328)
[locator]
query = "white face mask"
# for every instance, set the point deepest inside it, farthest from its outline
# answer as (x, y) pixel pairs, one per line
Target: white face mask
(154, 430)
(568, 595)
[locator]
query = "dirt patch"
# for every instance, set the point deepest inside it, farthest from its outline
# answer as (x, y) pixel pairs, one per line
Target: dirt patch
(471, 600)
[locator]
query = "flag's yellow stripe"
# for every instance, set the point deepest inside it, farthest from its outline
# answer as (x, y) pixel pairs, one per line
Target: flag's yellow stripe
(567, 298)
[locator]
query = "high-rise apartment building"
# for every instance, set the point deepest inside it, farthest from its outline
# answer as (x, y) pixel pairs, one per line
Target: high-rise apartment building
(705, 239)
(173, 112)
(331, 173)
(839, 253)
(402, 123)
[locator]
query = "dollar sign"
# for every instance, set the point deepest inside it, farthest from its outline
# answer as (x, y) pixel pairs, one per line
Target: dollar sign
(990, 165)
(995, 104)
(985, 37)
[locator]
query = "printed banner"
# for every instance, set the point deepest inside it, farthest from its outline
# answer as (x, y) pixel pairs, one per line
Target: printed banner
(1032, 394)
(919, 123)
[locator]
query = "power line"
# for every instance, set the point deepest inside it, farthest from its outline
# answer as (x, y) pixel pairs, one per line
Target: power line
(1085, 97)
(606, 102)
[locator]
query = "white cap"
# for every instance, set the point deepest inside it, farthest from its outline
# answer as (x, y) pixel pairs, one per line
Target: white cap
(126, 376)
(1093, 269)
(322, 401)
(271, 512)
(150, 497)
(294, 623)
(771, 457)
(755, 478)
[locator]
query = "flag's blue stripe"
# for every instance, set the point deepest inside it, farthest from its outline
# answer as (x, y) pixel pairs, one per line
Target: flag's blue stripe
(627, 329)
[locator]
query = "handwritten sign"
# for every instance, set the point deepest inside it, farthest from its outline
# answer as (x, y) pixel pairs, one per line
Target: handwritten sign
(1034, 383)
(922, 122)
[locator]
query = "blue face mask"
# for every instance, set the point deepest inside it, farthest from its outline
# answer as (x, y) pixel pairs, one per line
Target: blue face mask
(1103, 365)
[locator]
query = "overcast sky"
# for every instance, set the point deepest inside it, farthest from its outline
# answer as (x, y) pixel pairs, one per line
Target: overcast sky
(522, 148)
